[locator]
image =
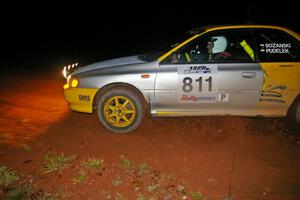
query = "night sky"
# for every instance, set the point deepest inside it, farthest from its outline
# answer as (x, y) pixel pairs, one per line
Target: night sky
(53, 35)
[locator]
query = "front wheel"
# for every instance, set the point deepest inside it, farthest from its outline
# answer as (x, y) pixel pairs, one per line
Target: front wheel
(120, 110)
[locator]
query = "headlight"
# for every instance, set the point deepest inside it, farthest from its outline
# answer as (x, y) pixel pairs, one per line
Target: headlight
(66, 86)
(71, 82)
(74, 82)
(67, 70)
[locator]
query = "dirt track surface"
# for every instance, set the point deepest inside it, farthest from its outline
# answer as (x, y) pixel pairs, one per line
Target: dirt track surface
(256, 158)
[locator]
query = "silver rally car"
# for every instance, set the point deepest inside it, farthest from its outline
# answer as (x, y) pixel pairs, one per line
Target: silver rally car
(244, 70)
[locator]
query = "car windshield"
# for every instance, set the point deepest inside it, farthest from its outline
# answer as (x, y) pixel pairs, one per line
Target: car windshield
(155, 54)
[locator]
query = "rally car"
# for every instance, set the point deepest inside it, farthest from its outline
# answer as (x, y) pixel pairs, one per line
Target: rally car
(243, 70)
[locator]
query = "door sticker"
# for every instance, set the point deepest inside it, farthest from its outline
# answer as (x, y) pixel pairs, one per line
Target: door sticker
(198, 84)
(275, 48)
(274, 90)
(223, 97)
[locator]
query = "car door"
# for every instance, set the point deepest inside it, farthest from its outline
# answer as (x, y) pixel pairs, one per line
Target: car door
(216, 73)
(279, 54)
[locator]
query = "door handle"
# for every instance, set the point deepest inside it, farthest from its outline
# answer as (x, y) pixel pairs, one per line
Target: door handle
(249, 75)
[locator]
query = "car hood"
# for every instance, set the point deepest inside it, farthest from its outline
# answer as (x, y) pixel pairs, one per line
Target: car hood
(110, 63)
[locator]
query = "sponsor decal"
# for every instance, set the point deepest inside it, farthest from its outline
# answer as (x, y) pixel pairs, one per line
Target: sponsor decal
(198, 98)
(197, 83)
(200, 69)
(274, 94)
(84, 97)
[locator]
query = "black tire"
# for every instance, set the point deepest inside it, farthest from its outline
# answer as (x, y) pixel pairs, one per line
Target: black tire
(135, 99)
(294, 114)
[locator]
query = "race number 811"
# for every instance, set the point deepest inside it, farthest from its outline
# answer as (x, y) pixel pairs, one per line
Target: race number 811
(188, 81)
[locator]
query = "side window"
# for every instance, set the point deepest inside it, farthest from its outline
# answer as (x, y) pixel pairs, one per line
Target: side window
(218, 46)
(276, 46)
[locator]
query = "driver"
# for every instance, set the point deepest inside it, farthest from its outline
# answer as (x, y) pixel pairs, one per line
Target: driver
(217, 48)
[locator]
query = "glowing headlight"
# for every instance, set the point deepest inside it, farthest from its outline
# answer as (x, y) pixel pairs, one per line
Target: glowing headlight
(74, 82)
(66, 86)
(65, 72)
(69, 69)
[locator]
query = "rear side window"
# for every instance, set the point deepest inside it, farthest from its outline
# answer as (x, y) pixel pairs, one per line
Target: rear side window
(276, 46)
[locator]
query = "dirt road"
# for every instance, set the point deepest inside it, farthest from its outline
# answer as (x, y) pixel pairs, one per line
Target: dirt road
(250, 158)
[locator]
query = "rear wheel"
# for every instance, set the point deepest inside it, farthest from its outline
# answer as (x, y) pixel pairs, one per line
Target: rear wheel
(294, 114)
(120, 110)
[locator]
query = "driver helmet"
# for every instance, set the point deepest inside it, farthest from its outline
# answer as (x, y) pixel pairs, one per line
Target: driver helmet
(220, 44)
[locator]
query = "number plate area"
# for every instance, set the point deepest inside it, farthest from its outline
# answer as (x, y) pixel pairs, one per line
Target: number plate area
(199, 84)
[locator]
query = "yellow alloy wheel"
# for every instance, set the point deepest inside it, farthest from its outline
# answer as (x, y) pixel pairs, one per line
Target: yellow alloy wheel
(119, 111)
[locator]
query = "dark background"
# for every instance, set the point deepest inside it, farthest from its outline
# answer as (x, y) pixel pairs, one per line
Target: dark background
(51, 35)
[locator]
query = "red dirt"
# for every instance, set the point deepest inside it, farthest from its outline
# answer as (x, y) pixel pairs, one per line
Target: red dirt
(261, 155)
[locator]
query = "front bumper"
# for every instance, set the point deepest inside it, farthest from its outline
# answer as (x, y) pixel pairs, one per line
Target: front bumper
(80, 99)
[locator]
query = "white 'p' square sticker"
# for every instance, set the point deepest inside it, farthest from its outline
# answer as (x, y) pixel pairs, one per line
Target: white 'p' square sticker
(223, 97)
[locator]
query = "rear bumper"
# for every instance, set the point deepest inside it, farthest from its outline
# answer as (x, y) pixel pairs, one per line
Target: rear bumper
(80, 99)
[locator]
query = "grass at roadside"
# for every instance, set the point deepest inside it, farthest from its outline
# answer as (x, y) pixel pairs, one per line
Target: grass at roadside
(57, 162)
(124, 180)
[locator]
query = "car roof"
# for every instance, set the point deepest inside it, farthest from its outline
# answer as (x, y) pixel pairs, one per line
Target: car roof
(202, 29)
